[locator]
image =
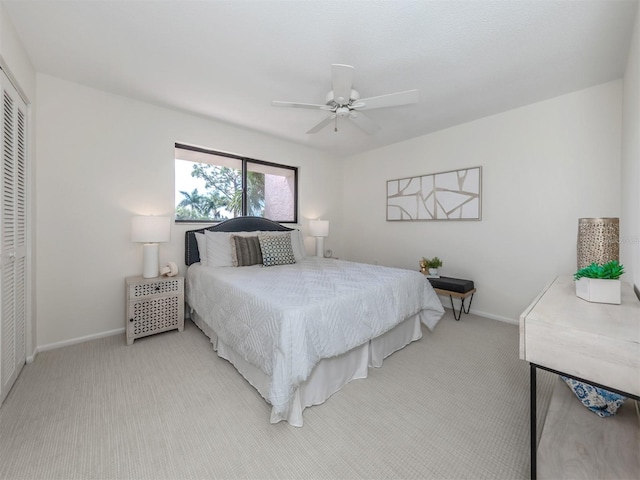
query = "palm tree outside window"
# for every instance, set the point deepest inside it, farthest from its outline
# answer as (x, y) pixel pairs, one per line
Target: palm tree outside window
(214, 186)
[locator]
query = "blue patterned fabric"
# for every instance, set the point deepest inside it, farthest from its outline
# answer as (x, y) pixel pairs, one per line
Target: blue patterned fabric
(600, 401)
(276, 250)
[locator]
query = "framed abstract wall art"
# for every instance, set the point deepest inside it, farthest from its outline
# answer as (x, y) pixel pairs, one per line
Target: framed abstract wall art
(454, 195)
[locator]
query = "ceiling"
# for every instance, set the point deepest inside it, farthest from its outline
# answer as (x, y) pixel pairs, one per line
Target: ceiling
(227, 59)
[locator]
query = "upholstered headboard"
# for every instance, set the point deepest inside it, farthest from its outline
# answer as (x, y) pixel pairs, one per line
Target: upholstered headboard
(238, 224)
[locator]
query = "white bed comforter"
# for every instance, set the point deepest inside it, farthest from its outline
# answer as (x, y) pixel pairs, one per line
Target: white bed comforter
(285, 319)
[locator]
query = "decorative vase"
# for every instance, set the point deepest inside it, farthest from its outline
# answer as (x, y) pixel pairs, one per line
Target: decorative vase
(433, 272)
(599, 290)
(598, 241)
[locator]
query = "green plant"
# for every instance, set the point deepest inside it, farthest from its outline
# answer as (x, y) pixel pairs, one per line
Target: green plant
(435, 262)
(610, 271)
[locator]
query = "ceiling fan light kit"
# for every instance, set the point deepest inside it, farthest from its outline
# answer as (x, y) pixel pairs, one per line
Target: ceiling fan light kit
(345, 102)
(332, 101)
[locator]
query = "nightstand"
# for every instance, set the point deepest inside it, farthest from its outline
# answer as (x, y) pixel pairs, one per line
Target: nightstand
(154, 305)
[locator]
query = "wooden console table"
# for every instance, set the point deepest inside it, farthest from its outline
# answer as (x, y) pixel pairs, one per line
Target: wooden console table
(595, 343)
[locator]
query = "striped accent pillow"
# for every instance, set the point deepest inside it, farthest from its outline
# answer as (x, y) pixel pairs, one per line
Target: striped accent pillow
(245, 251)
(276, 250)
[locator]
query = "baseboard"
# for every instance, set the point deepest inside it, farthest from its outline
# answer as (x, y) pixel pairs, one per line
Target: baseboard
(73, 341)
(489, 315)
(495, 317)
(32, 357)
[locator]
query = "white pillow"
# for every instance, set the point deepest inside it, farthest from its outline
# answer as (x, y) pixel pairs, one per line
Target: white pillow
(297, 242)
(202, 248)
(220, 253)
(218, 249)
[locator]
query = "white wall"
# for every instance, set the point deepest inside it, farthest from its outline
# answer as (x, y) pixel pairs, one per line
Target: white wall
(104, 158)
(630, 217)
(544, 166)
(15, 57)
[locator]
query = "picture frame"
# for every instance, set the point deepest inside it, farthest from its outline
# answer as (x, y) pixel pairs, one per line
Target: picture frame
(450, 195)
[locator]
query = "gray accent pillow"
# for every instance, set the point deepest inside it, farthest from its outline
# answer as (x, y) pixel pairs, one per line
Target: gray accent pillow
(276, 250)
(246, 251)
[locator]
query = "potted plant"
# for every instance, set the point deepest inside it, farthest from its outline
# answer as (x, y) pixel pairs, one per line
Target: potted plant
(599, 283)
(433, 266)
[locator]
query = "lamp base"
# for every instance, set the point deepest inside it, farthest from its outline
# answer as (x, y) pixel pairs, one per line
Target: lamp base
(150, 264)
(319, 246)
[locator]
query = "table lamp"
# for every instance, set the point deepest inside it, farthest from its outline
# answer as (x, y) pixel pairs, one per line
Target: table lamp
(150, 230)
(319, 229)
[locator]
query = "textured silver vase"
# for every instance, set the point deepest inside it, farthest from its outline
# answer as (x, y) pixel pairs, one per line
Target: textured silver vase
(598, 240)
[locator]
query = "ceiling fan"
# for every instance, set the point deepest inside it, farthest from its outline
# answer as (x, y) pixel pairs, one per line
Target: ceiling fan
(345, 102)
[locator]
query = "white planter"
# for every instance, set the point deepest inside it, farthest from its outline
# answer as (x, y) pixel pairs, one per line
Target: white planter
(598, 290)
(433, 272)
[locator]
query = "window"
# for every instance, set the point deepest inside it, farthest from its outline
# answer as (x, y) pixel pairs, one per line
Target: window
(214, 186)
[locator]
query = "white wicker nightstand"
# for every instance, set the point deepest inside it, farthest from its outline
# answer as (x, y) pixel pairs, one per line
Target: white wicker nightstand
(154, 305)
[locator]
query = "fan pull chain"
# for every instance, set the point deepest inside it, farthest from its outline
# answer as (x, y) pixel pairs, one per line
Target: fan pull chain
(335, 128)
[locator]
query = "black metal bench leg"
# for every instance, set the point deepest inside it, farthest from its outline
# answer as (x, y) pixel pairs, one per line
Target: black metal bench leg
(468, 306)
(457, 317)
(462, 309)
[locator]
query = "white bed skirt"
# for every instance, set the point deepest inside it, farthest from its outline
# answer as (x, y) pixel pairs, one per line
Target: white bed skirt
(330, 375)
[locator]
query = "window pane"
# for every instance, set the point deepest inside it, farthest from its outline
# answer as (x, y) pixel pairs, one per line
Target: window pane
(208, 187)
(271, 192)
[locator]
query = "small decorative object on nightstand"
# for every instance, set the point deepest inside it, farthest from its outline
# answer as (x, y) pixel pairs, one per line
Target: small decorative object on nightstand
(154, 305)
(423, 265)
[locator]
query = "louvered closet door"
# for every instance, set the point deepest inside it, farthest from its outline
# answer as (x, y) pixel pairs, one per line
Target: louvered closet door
(13, 238)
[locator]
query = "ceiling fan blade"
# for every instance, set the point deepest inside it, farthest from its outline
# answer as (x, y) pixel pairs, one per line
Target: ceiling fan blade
(342, 81)
(311, 106)
(322, 124)
(364, 122)
(390, 100)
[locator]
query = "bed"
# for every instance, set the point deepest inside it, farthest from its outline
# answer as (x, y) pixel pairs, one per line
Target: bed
(302, 328)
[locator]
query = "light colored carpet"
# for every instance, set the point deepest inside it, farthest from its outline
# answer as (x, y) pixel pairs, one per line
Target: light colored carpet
(454, 405)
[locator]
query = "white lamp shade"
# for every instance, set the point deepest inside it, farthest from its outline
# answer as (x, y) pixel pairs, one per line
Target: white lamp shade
(150, 229)
(319, 228)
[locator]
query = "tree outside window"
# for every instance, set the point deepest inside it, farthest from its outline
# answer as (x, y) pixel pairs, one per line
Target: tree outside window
(209, 187)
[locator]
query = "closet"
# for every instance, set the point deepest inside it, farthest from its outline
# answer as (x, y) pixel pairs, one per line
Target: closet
(13, 235)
